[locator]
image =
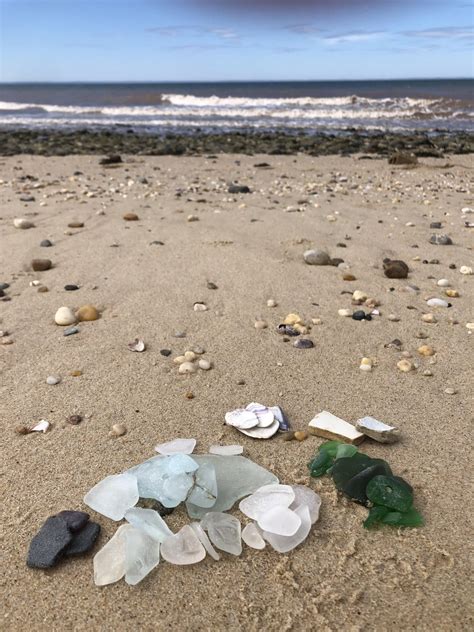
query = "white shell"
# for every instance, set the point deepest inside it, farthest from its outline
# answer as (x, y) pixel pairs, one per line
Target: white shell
(334, 427)
(241, 418)
(264, 415)
(177, 446)
(261, 433)
(42, 426)
(137, 345)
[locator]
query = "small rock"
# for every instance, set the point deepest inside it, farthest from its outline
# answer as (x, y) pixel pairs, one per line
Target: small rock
(437, 302)
(395, 269)
(365, 364)
(180, 334)
(271, 302)
(211, 286)
(113, 159)
(40, 265)
(64, 316)
(199, 350)
(204, 364)
(441, 240)
(348, 277)
(303, 343)
(465, 270)
(76, 225)
(426, 350)
(118, 430)
(288, 436)
(130, 217)
(450, 391)
(70, 331)
(316, 257)
(400, 157)
(52, 379)
(137, 345)
(87, 313)
(452, 293)
(344, 312)
(405, 366)
(22, 223)
(165, 352)
(75, 373)
(429, 318)
(260, 324)
(238, 188)
(74, 419)
(46, 243)
(187, 367)
(300, 435)
(200, 307)
(393, 318)
(436, 225)
(192, 218)
(360, 315)
(443, 283)
(359, 297)
(427, 373)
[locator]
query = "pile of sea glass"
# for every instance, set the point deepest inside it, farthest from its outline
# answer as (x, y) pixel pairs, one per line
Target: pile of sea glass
(209, 485)
(369, 482)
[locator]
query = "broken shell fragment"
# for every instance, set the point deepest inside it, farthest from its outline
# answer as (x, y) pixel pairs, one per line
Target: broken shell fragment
(328, 426)
(137, 345)
(377, 430)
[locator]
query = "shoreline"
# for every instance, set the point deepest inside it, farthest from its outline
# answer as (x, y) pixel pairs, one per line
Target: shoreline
(84, 142)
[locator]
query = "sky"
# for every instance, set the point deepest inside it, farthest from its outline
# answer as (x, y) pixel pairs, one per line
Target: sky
(234, 40)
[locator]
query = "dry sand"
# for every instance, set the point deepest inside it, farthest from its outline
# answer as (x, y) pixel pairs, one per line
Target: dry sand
(343, 577)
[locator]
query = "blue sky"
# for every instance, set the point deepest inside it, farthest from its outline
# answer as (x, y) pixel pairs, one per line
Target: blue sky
(212, 40)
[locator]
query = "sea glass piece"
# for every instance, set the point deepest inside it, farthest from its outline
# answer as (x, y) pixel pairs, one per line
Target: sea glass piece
(345, 450)
(177, 446)
(265, 498)
(113, 495)
(224, 531)
(390, 491)
(321, 463)
(262, 432)
(226, 450)
(183, 548)
(327, 425)
(282, 543)
(167, 479)
(306, 496)
(241, 418)
(376, 515)
(236, 477)
(264, 415)
(280, 521)
(149, 521)
(252, 536)
(202, 535)
(109, 562)
(377, 430)
(142, 554)
(411, 518)
(357, 486)
(204, 492)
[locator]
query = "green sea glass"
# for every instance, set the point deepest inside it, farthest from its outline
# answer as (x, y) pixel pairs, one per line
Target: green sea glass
(411, 518)
(390, 491)
(376, 515)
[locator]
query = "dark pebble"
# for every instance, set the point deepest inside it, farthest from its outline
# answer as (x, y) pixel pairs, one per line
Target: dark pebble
(287, 330)
(436, 225)
(2, 293)
(336, 261)
(47, 546)
(74, 419)
(75, 520)
(238, 188)
(156, 243)
(71, 288)
(27, 198)
(113, 159)
(452, 266)
(303, 343)
(70, 331)
(151, 503)
(84, 540)
(46, 243)
(211, 286)
(262, 165)
(4, 286)
(165, 352)
(441, 240)
(40, 265)
(395, 269)
(359, 315)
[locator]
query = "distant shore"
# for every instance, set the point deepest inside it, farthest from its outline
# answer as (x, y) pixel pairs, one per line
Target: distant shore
(62, 143)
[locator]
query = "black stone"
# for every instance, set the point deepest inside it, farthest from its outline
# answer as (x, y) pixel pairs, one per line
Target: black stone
(441, 240)
(113, 159)
(2, 293)
(156, 243)
(4, 286)
(288, 330)
(436, 225)
(47, 546)
(238, 188)
(84, 540)
(211, 286)
(359, 315)
(71, 288)
(46, 243)
(165, 352)
(27, 198)
(395, 269)
(262, 165)
(75, 520)
(303, 343)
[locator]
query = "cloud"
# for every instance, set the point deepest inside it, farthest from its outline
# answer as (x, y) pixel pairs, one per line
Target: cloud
(193, 30)
(442, 32)
(353, 37)
(302, 28)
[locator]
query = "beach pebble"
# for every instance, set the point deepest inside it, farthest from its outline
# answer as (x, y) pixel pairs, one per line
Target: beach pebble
(64, 316)
(441, 240)
(348, 277)
(238, 188)
(344, 312)
(189, 356)
(198, 350)
(165, 352)
(452, 293)
(405, 366)
(260, 324)
(19, 222)
(40, 265)
(316, 257)
(394, 318)
(52, 379)
(465, 270)
(74, 420)
(361, 315)
(450, 391)
(429, 318)
(427, 373)
(70, 331)
(271, 302)
(71, 288)
(359, 297)
(192, 218)
(87, 313)
(130, 217)
(187, 367)
(300, 435)
(200, 307)
(365, 364)
(137, 345)
(204, 364)
(395, 269)
(443, 283)
(118, 430)
(76, 225)
(179, 359)
(437, 302)
(426, 350)
(303, 343)
(46, 243)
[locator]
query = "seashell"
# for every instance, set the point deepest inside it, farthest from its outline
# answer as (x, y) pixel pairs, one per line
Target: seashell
(261, 432)
(465, 270)
(328, 426)
(87, 313)
(264, 415)
(137, 345)
(241, 419)
(19, 222)
(64, 316)
(42, 426)
(187, 367)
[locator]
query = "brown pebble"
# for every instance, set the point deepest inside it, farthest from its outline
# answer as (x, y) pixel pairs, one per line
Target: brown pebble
(130, 217)
(76, 225)
(289, 436)
(395, 269)
(240, 382)
(349, 277)
(426, 350)
(42, 289)
(74, 419)
(40, 265)
(189, 395)
(75, 373)
(22, 430)
(87, 313)
(301, 435)
(452, 293)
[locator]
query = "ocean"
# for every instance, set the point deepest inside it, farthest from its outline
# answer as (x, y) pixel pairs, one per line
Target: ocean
(442, 105)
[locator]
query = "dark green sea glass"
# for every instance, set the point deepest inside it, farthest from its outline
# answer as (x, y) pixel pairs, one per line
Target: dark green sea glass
(376, 515)
(357, 486)
(320, 464)
(390, 491)
(411, 518)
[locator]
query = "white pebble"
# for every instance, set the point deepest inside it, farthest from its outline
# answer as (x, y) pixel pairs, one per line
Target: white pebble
(344, 312)
(271, 302)
(437, 302)
(53, 379)
(22, 223)
(204, 364)
(187, 367)
(64, 316)
(465, 270)
(200, 307)
(443, 283)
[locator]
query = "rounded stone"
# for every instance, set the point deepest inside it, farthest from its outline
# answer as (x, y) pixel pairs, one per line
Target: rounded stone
(426, 350)
(19, 222)
(300, 435)
(76, 225)
(52, 380)
(200, 307)
(118, 430)
(271, 302)
(260, 324)
(64, 316)
(316, 257)
(359, 296)
(405, 366)
(187, 367)
(130, 217)
(395, 269)
(71, 287)
(74, 419)
(344, 312)
(165, 352)
(359, 315)
(303, 343)
(189, 356)
(204, 364)
(441, 240)
(443, 283)
(87, 313)
(450, 391)
(429, 318)
(40, 265)
(46, 243)
(452, 293)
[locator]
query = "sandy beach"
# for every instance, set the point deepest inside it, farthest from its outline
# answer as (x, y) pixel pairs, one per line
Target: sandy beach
(250, 246)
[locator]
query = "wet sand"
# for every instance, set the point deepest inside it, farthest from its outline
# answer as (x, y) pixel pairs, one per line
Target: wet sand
(251, 247)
